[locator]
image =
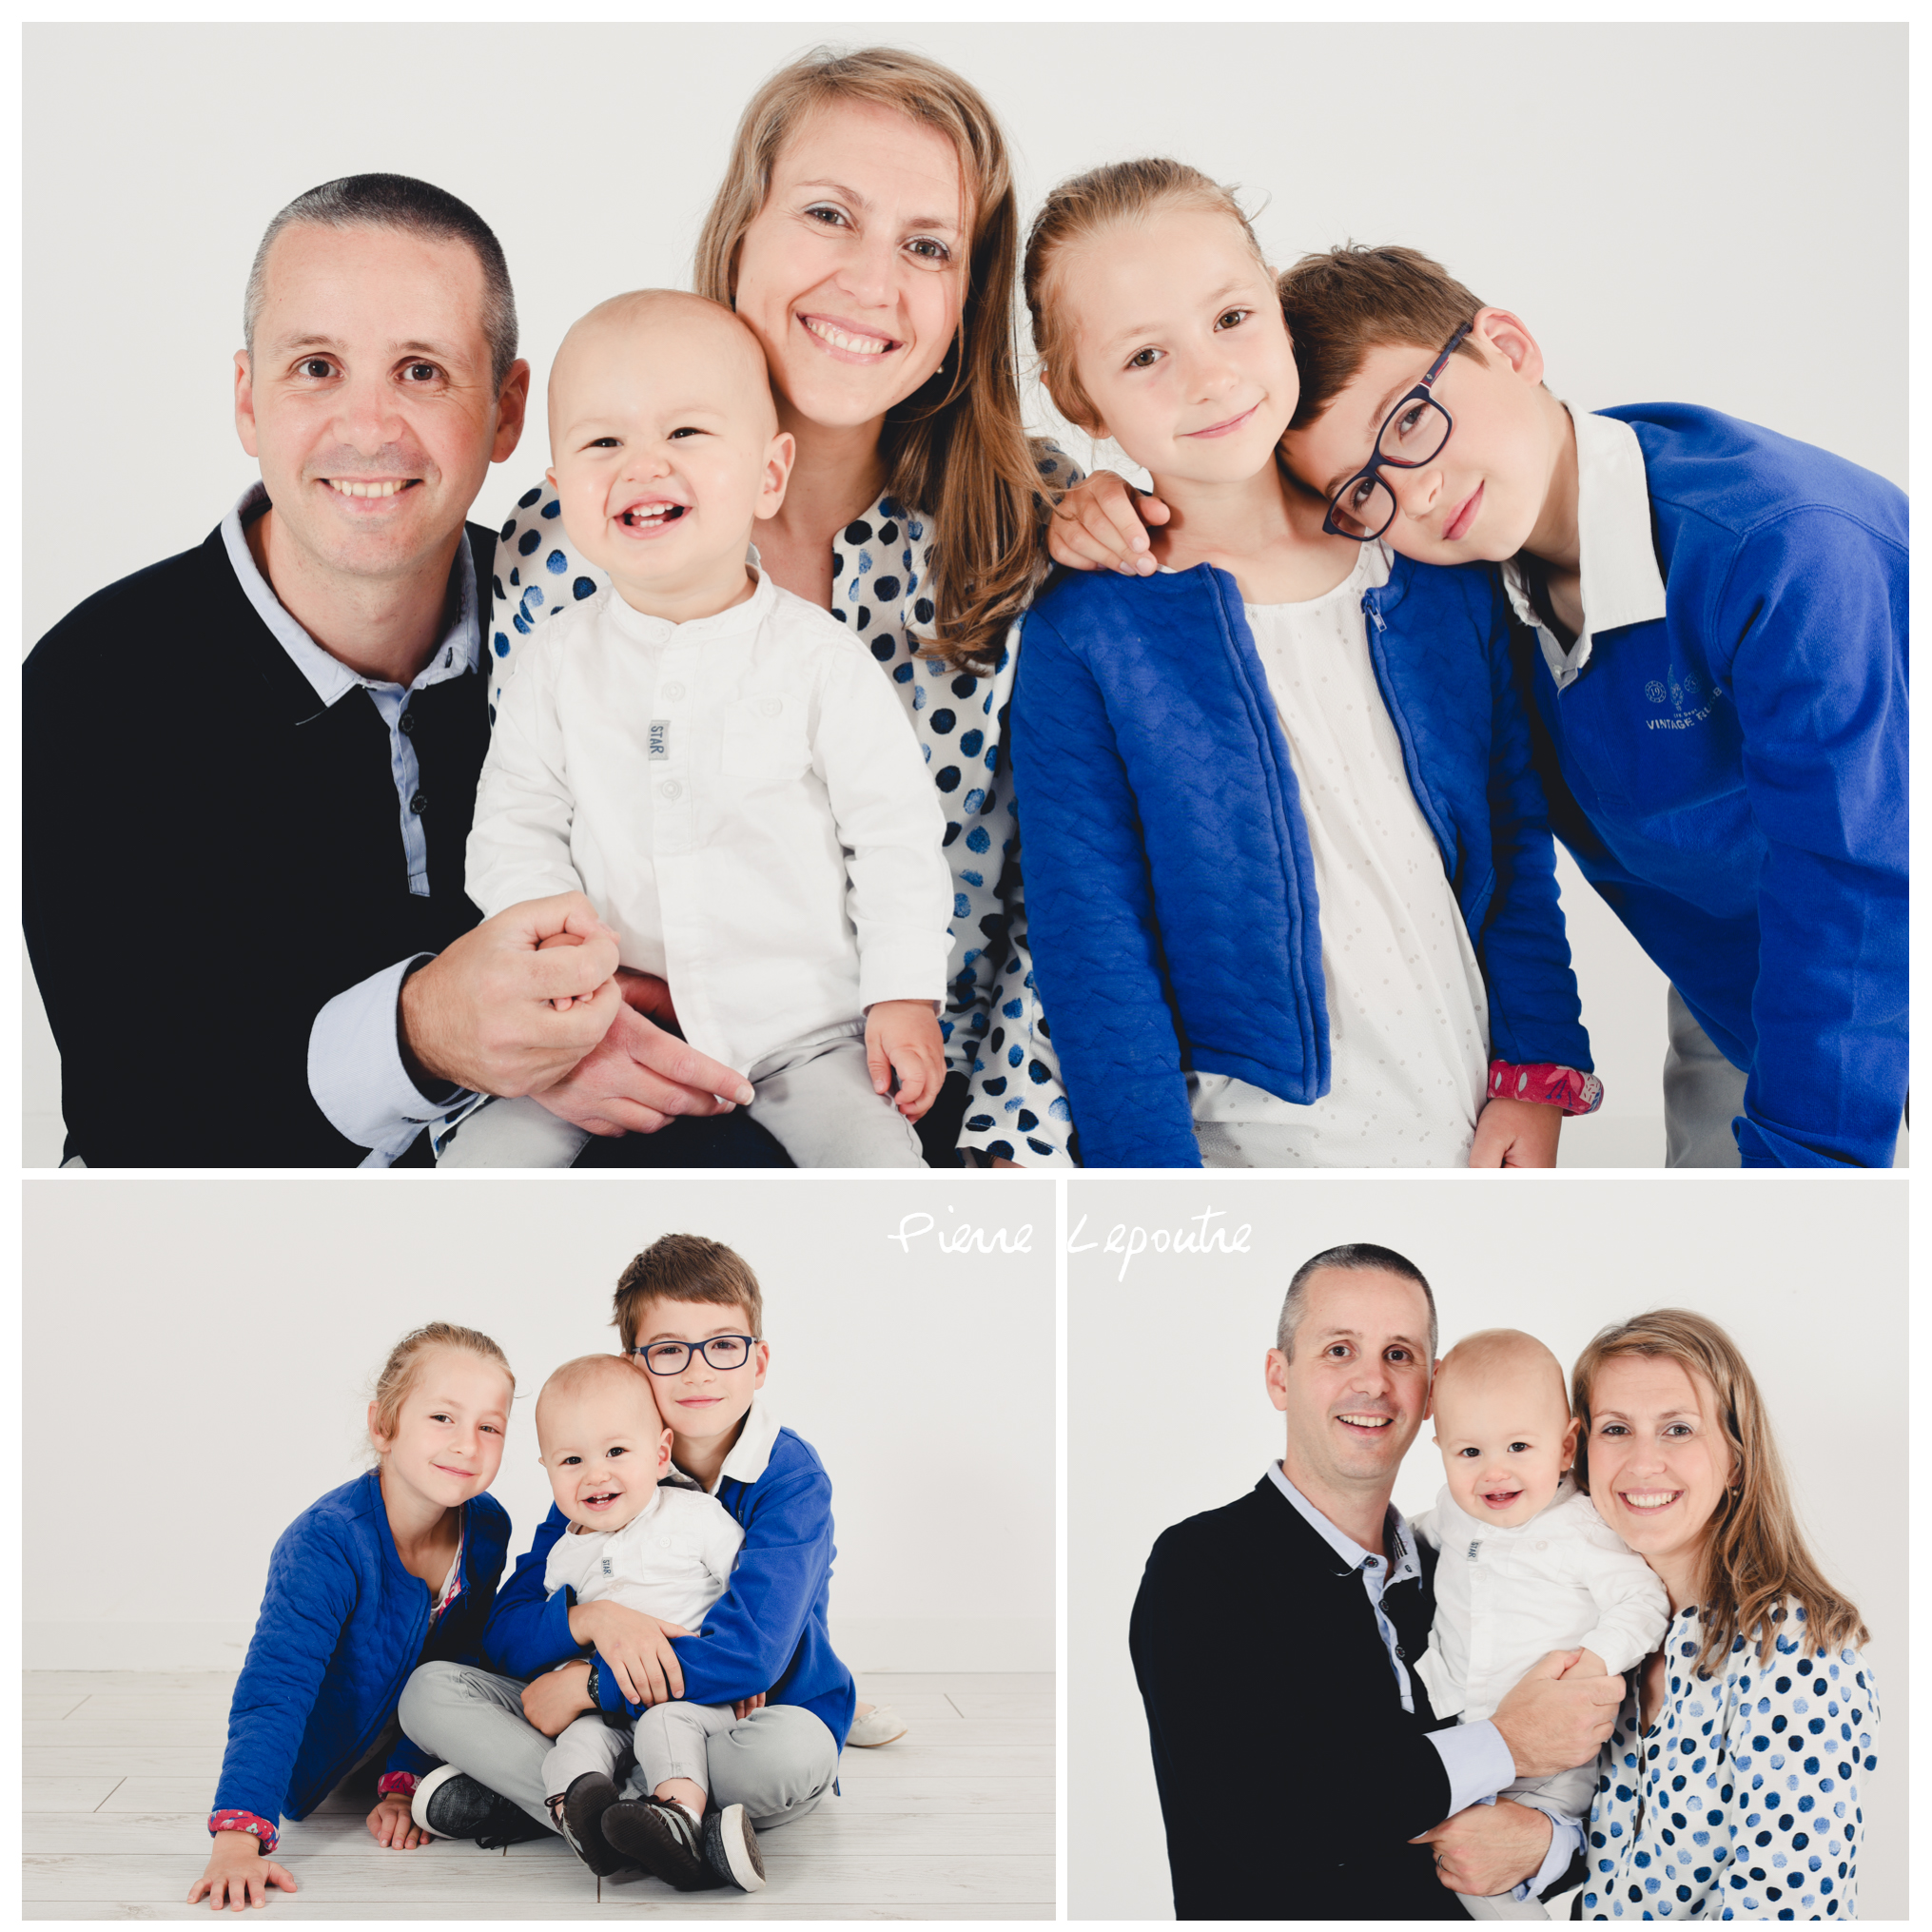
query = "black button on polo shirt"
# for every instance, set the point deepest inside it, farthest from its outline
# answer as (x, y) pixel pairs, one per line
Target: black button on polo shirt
(417, 803)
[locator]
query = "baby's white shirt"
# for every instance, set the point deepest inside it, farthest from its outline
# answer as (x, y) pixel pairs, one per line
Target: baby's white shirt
(672, 1560)
(1504, 1596)
(743, 800)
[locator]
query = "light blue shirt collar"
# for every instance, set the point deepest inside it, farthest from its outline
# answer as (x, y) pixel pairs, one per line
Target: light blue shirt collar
(1402, 1538)
(329, 677)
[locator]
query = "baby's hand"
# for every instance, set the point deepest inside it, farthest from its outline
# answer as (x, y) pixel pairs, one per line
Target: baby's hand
(564, 1004)
(1588, 1665)
(902, 1037)
(1099, 525)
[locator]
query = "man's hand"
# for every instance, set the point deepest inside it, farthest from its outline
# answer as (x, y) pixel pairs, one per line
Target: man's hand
(638, 1077)
(1554, 1723)
(240, 1873)
(484, 1013)
(552, 1700)
(390, 1823)
(902, 1037)
(1512, 1133)
(1489, 1848)
(1100, 524)
(637, 1648)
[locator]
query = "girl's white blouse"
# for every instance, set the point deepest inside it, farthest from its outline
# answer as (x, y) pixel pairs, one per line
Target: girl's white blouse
(1741, 1801)
(1408, 1014)
(992, 1019)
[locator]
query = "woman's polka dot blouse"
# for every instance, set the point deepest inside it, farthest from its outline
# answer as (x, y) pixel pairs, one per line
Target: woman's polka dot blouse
(995, 1033)
(1741, 1801)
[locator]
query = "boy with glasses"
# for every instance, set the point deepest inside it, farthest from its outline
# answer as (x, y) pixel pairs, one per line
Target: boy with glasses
(1713, 630)
(690, 1315)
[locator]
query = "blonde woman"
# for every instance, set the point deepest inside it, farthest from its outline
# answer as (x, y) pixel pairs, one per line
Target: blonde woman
(865, 231)
(1732, 1782)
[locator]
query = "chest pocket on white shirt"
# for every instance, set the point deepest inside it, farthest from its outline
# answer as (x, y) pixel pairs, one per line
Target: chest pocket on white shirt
(764, 740)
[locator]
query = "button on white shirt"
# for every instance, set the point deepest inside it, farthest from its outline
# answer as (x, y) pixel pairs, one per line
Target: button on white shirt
(742, 799)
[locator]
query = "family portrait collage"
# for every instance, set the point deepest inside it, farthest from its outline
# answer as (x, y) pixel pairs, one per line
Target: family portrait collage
(688, 612)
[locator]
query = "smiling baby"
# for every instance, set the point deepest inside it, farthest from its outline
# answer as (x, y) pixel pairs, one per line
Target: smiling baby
(1524, 1563)
(717, 763)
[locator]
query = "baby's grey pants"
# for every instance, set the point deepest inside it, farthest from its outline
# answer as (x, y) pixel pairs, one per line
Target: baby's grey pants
(778, 1763)
(816, 1102)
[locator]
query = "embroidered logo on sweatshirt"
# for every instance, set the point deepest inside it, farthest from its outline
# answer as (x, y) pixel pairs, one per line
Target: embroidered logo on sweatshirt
(1686, 700)
(660, 738)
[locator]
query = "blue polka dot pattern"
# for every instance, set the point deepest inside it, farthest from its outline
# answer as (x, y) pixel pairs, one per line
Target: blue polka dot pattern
(1741, 1801)
(879, 565)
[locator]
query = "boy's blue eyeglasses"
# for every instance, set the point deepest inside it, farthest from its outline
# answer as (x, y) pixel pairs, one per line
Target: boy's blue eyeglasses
(1414, 435)
(720, 1350)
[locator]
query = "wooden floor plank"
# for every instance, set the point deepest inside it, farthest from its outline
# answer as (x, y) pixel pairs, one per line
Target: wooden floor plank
(674, 1910)
(380, 1879)
(192, 1761)
(880, 1686)
(831, 1831)
(67, 1794)
(1036, 1705)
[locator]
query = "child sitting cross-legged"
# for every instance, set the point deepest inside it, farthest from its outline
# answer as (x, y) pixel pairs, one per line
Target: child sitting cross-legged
(715, 762)
(662, 1549)
(1524, 1563)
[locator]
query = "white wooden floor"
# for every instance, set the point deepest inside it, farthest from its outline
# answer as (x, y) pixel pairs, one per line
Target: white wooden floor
(954, 1820)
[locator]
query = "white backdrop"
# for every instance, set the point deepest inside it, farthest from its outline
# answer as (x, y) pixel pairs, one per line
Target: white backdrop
(199, 1355)
(1711, 213)
(1809, 1282)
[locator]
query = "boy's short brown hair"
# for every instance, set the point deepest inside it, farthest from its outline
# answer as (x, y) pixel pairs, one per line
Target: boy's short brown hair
(686, 1268)
(1343, 302)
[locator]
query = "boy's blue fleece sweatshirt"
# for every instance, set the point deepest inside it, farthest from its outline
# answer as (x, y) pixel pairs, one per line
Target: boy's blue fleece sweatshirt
(1733, 777)
(769, 1630)
(1170, 888)
(342, 1624)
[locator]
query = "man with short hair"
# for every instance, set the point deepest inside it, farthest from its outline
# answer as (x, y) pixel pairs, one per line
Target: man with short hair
(248, 770)
(1275, 1641)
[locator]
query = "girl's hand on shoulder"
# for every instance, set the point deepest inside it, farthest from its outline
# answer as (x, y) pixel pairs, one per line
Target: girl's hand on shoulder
(391, 1824)
(1511, 1133)
(1101, 524)
(239, 1874)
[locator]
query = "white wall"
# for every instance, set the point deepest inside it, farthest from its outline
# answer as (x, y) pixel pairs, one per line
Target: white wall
(1714, 213)
(1167, 1414)
(199, 1355)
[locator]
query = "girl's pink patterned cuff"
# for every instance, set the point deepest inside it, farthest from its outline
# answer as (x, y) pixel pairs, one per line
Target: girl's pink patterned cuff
(245, 1821)
(1555, 1086)
(397, 1783)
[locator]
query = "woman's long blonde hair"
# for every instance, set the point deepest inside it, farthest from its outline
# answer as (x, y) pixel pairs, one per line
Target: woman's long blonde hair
(1757, 1569)
(955, 451)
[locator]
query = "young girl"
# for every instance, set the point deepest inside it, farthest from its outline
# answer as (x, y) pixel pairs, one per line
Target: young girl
(1289, 874)
(395, 1567)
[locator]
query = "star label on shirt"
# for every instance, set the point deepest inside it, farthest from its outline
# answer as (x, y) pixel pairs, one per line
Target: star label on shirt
(660, 739)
